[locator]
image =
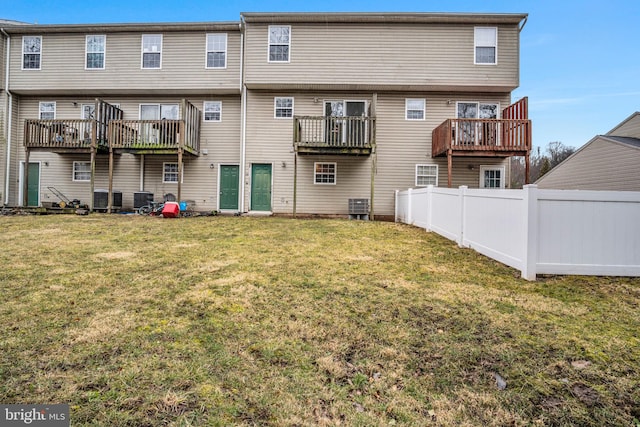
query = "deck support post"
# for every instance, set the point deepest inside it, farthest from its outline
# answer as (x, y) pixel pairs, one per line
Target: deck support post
(110, 192)
(181, 139)
(295, 182)
(94, 148)
(25, 179)
(449, 166)
(527, 167)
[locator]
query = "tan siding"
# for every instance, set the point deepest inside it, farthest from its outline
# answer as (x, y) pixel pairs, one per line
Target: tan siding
(221, 140)
(14, 151)
(630, 128)
(183, 66)
(435, 55)
(600, 165)
(402, 144)
(3, 59)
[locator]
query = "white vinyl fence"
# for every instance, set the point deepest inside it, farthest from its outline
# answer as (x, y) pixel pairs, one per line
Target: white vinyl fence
(533, 230)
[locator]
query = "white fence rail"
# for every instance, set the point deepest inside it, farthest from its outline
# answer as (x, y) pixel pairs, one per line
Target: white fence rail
(536, 231)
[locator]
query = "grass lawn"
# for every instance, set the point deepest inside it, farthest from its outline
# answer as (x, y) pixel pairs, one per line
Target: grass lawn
(223, 321)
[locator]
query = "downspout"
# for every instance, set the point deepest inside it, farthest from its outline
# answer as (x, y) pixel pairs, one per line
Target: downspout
(243, 130)
(9, 114)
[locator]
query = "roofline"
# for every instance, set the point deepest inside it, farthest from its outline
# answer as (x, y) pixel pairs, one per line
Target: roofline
(121, 27)
(377, 17)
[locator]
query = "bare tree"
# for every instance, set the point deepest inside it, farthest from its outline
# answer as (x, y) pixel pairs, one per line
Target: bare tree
(539, 163)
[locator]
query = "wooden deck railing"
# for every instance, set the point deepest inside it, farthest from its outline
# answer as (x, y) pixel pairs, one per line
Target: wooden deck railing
(334, 132)
(151, 136)
(482, 135)
(61, 134)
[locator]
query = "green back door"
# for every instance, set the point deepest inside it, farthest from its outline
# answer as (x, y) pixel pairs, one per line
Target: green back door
(229, 187)
(261, 187)
(33, 184)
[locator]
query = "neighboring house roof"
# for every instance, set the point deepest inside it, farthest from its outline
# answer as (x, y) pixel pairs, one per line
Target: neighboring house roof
(633, 142)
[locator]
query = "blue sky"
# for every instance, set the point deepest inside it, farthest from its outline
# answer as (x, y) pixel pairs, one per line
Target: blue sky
(580, 60)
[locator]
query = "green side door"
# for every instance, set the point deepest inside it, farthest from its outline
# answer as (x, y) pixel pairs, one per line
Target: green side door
(33, 184)
(229, 176)
(261, 187)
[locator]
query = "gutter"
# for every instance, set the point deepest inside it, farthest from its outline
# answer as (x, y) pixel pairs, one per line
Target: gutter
(523, 23)
(9, 114)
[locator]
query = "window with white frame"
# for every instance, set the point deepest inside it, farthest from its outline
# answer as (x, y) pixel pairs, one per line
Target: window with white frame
(47, 110)
(31, 52)
(414, 109)
(283, 107)
(159, 111)
(212, 111)
(486, 45)
(279, 43)
(95, 48)
(170, 173)
(492, 177)
(82, 171)
(152, 51)
(426, 175)
(216, 50)
(324, 173)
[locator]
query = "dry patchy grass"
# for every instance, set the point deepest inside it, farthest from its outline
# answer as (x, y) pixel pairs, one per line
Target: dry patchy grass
(239, 321)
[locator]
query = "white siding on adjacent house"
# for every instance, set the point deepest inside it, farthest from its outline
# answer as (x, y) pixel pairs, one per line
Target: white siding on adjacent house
(600, 165)
(383, 55)
(183, 66)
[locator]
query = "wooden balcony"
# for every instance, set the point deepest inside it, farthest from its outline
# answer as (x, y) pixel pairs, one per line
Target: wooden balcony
(158, 136)
(151, 137)
(482, 137)
(63, 136)
(353, 136)
(505, 137)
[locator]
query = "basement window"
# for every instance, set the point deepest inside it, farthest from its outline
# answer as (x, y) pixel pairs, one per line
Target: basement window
(81, 171)
(426, 175)
(324, 173)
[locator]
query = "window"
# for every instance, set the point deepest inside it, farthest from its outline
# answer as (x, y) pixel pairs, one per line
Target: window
(414, 109)
(324, 173)
(88, 111)
(216, 51)
(95, 49)
(486, 45)
(47, 110)
(477, 110)
(31, 52)
(426, 175)
(212, 111)
(279, 43)
(491, 176)
(170, 173)
(151, 51)
(82, 171)
(159, 111)
(283, 107)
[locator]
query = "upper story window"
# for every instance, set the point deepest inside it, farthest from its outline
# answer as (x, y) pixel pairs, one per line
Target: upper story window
(414, 109)
(95, 49)
(486, 45)
(283, 107)
(47, 110)
(279, 43)
(31, 52)
(216, 50)
(152, 51)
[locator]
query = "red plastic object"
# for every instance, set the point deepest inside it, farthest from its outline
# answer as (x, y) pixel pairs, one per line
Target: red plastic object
(171, 210)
